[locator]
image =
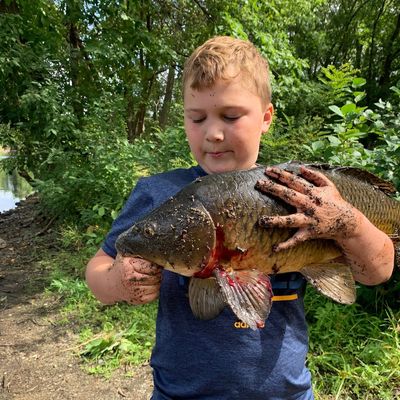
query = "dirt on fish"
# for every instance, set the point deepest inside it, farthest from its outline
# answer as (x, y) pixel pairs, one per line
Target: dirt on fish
(38, 355)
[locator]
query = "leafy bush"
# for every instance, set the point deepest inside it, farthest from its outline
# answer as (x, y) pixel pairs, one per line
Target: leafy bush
(286, 140)
(367, 138)
(362, 137)
(366, 367)
(306, 113)
(164, 150)
(94, 185)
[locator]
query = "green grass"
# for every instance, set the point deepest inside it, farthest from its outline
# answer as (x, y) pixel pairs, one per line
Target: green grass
(109, 336)
(353, 354)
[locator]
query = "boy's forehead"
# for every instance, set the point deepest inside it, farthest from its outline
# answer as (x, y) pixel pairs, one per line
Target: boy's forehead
(238, 82)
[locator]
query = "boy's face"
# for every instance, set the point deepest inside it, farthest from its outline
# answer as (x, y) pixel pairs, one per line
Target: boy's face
(224, 125)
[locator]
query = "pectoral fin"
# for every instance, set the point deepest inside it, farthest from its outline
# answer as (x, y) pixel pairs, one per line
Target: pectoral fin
(248, 293)
(205, 298)
(333, 280)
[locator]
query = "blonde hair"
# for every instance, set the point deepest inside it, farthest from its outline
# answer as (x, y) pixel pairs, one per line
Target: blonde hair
(219, 56)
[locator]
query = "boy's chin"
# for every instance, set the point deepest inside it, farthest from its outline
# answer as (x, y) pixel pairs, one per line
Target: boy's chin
(220, 169)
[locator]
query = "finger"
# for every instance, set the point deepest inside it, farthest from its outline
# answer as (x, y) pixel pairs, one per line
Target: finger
(316, 177)
(299, 237)
(289, 179)
(138, 279)
(143, 266)
(298, 220)
(289, 196)
(142, 296)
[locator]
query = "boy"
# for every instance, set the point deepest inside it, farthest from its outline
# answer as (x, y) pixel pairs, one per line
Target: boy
(227, 107)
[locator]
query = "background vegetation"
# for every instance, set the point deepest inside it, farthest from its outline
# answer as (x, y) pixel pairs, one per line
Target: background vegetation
(90, 100)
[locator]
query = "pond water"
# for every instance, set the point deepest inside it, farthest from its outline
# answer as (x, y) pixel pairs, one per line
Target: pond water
(13, 188)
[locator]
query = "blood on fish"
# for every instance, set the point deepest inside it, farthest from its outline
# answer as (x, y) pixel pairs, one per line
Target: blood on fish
(219, 253)
(229, 279)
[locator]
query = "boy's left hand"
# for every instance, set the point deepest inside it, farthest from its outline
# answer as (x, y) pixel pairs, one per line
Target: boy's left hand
(321, 210)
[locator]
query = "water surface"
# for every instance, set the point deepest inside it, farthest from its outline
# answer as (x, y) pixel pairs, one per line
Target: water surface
(13, 188)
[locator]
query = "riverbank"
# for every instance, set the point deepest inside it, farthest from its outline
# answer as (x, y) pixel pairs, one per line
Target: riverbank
(38, 345)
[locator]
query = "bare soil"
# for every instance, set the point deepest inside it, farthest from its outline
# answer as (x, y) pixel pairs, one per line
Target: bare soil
(38, 358)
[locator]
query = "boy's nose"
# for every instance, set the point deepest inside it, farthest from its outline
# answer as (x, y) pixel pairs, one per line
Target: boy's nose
(214, 134)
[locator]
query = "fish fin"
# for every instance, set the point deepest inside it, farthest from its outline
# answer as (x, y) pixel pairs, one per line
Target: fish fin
(360, 174)
(333, 280)
(205, 298)
(248, 293)
(376, 181)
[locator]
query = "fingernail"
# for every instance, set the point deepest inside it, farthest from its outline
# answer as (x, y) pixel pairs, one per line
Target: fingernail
(264, 221)
(275, 248)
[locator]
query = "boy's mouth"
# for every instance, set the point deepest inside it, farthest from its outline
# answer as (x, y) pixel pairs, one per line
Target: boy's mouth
(217, 154)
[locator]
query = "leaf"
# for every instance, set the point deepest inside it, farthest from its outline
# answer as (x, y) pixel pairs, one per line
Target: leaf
(114, 214)
(395, 89)
(359, 96)
(333, 140)
(317, 145)
(336, 110)
(358, 82)
(348, 108)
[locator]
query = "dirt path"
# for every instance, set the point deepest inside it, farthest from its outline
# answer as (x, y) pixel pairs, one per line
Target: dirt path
(37, 358)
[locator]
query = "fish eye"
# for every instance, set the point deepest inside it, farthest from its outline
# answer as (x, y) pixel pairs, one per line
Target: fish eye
(149, 229)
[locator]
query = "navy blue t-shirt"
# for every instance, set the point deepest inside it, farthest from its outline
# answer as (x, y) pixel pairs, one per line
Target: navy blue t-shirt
(221, 358)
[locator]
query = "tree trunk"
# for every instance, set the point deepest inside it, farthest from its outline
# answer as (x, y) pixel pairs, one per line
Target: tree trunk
(371, 60)
(390, 56)
(135, 125)
(130, 117)
(163, 119)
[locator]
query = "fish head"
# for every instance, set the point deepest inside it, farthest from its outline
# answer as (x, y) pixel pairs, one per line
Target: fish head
(178, 235)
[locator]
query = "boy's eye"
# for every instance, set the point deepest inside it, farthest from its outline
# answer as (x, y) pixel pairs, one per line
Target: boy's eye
(198, 120)
(231, 117)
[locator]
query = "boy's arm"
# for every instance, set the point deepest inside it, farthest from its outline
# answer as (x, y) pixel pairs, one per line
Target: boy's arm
(323, 213)
(129, 279)
(370, 253)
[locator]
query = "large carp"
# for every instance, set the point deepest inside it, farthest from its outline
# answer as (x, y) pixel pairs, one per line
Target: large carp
(211, 229)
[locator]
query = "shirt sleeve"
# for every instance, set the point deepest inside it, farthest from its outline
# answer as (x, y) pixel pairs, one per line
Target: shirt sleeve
(139, 203)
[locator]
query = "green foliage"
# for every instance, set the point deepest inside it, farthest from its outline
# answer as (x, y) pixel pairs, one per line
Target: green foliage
(96, 183)
(164, 150)
(286, 140)
(32, 101)
(114, 347)
(365, 367)
(362, 137)
(306, 112)
(341, 81)
(247, 20)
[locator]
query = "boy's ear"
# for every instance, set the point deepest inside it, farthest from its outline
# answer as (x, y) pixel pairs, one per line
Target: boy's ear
(269, 112)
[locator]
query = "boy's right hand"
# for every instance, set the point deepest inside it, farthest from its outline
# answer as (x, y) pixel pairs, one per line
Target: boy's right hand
(139, 279)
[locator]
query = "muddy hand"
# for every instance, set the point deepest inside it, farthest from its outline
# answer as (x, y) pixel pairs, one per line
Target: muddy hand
(140, 279)
(321, 210)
